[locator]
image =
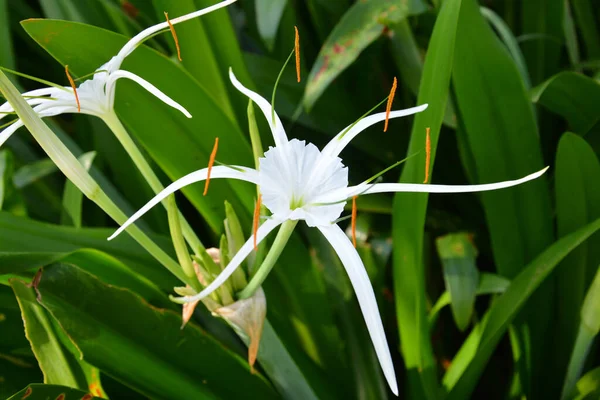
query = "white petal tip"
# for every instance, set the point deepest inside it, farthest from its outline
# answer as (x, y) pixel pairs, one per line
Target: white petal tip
(114, 235)
(423, 106)
(394, 390)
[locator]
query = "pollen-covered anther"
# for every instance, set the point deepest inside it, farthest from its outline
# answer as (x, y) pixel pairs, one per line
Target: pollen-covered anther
(211, 161)
(388, 107)
(174, 33)
(353, 222)
(72, 82)
(256, 220)
(427, 154)
(297, 51)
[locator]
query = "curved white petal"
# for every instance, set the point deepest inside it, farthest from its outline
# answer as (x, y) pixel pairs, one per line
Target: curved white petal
(235, 262)
(266, 108)
(341, 140)
(9, 130)
(424, 188)
(241, 173)
(146, 33)
(366, 298)
(110, 92)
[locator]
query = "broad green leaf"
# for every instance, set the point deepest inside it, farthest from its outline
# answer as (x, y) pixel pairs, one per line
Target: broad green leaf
(7, 57)
(362, 24)
(268, 16)
(73, 198)
(144, 342)
(506, 307)
(53, 358)
(570, 35)
(588, 331)
(26, 244)
(178, 145)
(30, 173)
(488, 284)
(572, 96)
(458, 253)
(38, 391)
(410, 209)
(588, 386)
(10, 199)
(543, 18)
(577, 204)
(500, 136)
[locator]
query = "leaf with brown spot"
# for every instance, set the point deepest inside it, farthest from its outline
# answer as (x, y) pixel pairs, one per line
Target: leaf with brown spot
(39, 391)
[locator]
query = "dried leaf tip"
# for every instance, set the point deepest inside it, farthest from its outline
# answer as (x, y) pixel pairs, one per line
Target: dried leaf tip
(256, 220)
(297, 51)
(353, 222)
(388, 108)
(211, 161)
(172, 28)
(72, 82)
(427, 154)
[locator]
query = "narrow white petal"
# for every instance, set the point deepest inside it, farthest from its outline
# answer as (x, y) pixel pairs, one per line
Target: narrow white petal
(366, 298)
(218, 172)
(266, 108)
(110, 85)
(235, 262)
(146, 33)
(341, 140)
(8, 131)
(423, 188)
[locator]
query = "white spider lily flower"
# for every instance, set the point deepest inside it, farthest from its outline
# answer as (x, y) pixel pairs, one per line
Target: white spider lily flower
(299, 182)
(97, 95)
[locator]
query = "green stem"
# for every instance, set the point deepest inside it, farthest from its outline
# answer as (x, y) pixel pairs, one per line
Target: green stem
(261, 274)
(76, 173)
(115, 125)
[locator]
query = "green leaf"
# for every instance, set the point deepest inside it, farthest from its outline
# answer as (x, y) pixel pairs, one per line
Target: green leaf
(588, 386)
(362, 24)
(144, 342)
(38, 391)
(458, 253)
(506, 307)
(187, 144)
(577, 204)
(10, 199)
(7, 57)
(500, 135)
(268, 16)
(572, 96)
(584, 15)
(73, 198)
(30, 173)
(410, 209)
(53, 358)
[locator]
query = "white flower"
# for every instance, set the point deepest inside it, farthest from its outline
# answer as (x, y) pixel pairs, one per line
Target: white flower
(97, 95)
(299, 182)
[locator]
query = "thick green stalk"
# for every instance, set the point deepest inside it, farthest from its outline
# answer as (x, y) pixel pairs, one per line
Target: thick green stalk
(267, 265)
(115, 125)
(76, 173)
(181, 250)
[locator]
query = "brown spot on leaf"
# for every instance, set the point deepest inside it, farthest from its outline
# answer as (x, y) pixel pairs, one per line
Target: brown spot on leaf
(323, 68)
(337, 49)
(87, 396)
(27, 393)
(130, 9)
(60, 396)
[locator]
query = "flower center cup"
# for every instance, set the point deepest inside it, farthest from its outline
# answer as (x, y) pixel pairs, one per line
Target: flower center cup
(292, 176)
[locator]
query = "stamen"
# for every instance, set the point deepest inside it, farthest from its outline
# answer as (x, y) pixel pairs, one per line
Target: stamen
(388, 108)
(172, 28)
(276, 84)
(211, 161)
(90, 74)
(33, 78)
(427, 154)
(353, 223)
(256, 219)
(297, 51)
(377, 175)
(72, 82)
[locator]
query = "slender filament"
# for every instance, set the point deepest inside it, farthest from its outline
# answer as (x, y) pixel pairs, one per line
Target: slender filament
(72, 82)
(427, 154)
(256, 219)
(353, 223)
(172, 28)
(388, 108)
(297, 51)
(211, 161)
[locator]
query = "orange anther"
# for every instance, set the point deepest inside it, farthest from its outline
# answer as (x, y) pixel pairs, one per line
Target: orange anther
(388, 108)
(211, 161)
(297, 51)
(256, 219)
(172, 28)
(427, 154)
(72, 82)
(353, 223)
